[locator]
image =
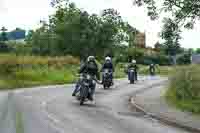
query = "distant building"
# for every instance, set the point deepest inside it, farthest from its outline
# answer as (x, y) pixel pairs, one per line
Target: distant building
(195, 59)
(17, 34)
(140, 40)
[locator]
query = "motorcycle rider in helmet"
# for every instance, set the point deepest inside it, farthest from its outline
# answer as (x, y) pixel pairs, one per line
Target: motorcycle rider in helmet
(152, 69)
(134, 66)
(91, 68)
(108, 65)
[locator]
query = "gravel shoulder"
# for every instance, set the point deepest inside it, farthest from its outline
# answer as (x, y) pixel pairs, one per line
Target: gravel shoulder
(154, 102)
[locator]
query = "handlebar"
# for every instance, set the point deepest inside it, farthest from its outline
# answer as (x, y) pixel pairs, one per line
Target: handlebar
(97, 81)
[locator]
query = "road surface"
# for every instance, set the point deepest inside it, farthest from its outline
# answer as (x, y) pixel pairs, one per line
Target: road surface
(53, 110)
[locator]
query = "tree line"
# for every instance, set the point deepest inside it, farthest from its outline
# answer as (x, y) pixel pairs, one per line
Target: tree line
(72, 31)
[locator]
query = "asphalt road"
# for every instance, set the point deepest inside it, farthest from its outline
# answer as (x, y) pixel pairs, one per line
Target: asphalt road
(53, 110)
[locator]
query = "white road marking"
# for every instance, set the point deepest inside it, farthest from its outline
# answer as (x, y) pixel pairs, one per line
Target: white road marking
(55, 121)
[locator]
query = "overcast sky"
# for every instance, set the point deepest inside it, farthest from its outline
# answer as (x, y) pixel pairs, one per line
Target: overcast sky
(27, 14)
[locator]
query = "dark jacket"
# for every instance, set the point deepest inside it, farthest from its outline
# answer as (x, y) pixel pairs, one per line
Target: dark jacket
(152, 68)
(108, 65)
(134, 66)
(90, 68)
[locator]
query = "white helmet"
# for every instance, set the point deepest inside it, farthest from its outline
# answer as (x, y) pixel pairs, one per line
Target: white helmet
(107, 59)
(90, 58)
(134, 61)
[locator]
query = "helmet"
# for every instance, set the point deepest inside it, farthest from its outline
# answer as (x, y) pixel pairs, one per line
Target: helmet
(90, 58)
(134, 61)
(107, 59)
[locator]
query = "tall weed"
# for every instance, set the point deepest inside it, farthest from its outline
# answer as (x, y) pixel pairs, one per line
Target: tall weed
(184, 88)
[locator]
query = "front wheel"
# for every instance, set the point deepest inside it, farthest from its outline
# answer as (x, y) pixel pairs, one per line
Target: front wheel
(104, 86)
(82, 101)
(132, 81)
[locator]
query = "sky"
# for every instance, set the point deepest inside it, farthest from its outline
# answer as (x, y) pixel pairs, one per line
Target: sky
(27, 14)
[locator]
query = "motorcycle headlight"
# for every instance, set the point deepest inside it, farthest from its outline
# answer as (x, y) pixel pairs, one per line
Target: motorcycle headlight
(86, 83)
(106, 71)
(88, 77)
(81, 77)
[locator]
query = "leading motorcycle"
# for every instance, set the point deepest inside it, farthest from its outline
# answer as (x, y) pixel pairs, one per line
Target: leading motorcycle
(84, 88)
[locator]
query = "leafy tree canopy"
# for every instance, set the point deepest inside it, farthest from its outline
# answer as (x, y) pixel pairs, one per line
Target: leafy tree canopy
(73, 31)
(182, 13)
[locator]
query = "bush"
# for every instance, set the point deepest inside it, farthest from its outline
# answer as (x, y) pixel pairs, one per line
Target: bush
(25, 71)
(156, 59)
(184, 59)
(4, 48)
(184, 89)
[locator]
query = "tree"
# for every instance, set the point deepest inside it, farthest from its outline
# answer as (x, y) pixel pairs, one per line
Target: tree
(158, 47)
(171, 34)
(198, 50)
(4, 36)
(184, 12)
(71, 30)
(29, 36)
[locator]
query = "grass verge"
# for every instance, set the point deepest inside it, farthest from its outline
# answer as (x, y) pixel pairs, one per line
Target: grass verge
(30, 71)
(19, 123)
(184, 89)
(183, 105)
(38, 76)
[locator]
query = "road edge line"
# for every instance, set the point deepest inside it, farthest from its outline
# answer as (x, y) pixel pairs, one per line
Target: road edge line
(163, 119)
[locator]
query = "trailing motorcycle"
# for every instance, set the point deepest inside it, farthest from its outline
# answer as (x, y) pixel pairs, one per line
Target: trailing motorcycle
(152, 72)
(107, 78)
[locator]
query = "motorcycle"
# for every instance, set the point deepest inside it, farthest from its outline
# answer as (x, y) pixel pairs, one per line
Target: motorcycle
(152, 72)
(131, 75)
(85, 89)
(107, 78)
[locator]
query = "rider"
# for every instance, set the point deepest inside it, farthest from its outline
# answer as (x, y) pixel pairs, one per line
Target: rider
(91, 68)
(108, 65)
(152, 69)
(134, 66)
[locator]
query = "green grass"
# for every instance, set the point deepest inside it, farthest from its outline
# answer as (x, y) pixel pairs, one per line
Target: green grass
(184, 89)
(119, 71)
(19, 123)
(29, 71)
(184, 105)
(39, 76)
